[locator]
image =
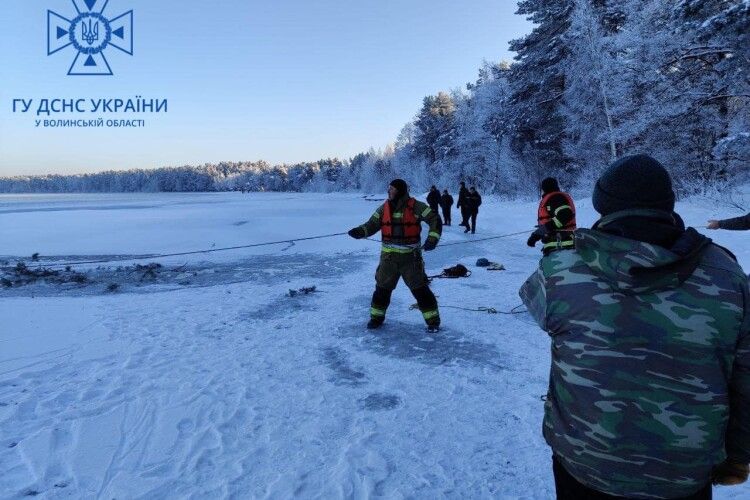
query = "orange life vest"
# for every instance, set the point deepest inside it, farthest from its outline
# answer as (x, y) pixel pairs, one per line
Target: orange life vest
(544, 215)
(407, 231)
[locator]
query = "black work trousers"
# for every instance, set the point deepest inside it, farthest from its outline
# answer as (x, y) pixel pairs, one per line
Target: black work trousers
(447, 216)
(473, 219)
(464, 217)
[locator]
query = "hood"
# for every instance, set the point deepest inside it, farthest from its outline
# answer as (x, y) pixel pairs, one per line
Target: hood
(631, 266)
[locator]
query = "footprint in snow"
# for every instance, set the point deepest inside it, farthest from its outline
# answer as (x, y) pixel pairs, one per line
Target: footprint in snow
(381, 401)
(343, 373)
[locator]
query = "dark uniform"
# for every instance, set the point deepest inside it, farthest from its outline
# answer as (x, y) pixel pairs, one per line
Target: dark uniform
(446, 203)
(401, 255)
(472, 203)
(433, 200)
(556, 219)
(463, 193)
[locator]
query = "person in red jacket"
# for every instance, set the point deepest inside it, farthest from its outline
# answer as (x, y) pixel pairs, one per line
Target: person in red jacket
(556, 218)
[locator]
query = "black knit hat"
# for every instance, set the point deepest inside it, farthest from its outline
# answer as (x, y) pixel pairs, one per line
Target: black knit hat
(550, 185)
(401, 187)
(634, 182)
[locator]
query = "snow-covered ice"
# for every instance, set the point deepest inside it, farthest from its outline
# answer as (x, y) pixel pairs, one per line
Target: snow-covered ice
(209, 381)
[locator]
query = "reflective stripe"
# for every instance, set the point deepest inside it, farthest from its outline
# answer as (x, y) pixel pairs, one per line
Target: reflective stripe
(410, 247)
(430, 314)
(557, 222)
(561, 208)
(377, 312)
(562, 244)
(375, 216)
(386, 249)
(426, 212)
(434, 234)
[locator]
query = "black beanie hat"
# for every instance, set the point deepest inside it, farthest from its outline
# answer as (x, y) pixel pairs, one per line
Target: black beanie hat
(634, 182)
(550, 185)
(401, 187)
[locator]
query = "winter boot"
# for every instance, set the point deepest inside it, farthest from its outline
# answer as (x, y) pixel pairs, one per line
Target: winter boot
(375, 323)
(433, 326)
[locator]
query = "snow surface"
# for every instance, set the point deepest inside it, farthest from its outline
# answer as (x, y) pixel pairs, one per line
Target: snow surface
(214, 383)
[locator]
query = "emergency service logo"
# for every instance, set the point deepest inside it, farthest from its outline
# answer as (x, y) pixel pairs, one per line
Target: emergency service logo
(90, 32)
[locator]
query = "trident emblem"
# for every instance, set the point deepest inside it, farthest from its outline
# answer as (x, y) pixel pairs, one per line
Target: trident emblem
(90, 35)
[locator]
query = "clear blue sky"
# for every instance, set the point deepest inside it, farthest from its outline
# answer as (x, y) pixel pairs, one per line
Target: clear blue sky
(283, 81)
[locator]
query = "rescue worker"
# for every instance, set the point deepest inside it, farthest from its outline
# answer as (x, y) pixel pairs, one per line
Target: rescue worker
(433, 200)
(556, 219)
(463, 193)
(446, 203)
(472, 203)
(398, 220)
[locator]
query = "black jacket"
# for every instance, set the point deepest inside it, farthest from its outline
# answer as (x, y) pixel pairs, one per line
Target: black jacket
(462, 194)
(446, 201)
(433, 199)
(473, 202)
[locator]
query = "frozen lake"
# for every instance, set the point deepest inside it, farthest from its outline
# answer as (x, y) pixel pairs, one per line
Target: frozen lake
(205, 379)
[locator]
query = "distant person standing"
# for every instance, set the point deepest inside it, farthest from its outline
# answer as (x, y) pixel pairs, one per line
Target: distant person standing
(433, 200)
(463, 193)
(473, 202)
(741, 223)
(446, 203)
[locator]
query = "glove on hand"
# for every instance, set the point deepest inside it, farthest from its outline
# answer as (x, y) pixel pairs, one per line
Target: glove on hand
(357, 233)
(730, 473)
(537, 235)
(430, 244)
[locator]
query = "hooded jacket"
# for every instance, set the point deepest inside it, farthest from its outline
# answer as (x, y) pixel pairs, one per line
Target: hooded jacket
(650, 376)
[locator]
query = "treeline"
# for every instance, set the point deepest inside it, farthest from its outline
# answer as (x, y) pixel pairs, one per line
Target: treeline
(594, 80)
(324, 175)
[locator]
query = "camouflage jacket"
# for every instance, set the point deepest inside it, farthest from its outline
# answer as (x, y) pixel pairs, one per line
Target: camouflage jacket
(737, 224)
(423, 214)
(650, 376)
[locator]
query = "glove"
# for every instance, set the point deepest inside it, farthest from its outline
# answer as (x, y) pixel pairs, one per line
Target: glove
(730, 473)
(430, 244)
(357, 233)
(537, 235)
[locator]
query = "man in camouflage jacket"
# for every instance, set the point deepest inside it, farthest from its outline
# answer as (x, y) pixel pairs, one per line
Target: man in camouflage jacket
(649, 391)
